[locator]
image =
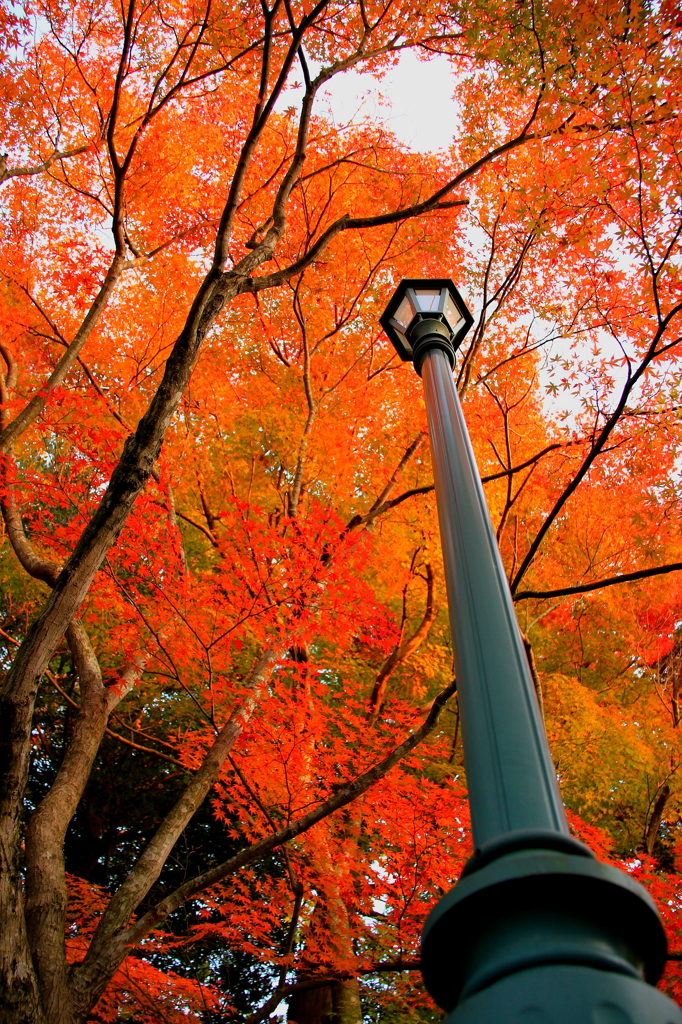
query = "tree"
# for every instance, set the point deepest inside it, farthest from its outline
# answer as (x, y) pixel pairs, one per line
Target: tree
(221, 563)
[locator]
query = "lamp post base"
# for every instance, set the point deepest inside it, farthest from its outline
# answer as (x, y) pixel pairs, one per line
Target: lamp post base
(546, 936)
(568, 994)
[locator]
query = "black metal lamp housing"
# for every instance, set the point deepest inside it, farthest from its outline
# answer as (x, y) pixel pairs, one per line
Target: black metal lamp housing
(421, 310)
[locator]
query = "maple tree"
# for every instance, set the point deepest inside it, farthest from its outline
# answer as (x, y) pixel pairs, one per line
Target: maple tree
(231, 769)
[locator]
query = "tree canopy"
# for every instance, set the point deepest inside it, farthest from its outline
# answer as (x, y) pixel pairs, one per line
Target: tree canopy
(231, 775)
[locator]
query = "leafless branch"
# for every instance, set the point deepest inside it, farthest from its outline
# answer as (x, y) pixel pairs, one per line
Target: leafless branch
(611, 581)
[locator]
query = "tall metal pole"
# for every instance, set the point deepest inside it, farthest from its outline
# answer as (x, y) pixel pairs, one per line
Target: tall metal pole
(536, 931)
(511, 777)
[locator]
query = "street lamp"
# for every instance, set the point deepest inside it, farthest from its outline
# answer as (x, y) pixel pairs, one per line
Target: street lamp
(536, 931)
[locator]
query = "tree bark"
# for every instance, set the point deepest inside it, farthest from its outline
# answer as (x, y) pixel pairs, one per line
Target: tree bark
(335, 1003)
(46, 895)
(108, 947)
(655, 818)
(311, 1006)
(21, 999)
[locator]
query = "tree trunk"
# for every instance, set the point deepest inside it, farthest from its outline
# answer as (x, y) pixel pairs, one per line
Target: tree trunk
(655, 819)
(346, 1002)
(336, 1003)
(21, 1003)
(312, 1006)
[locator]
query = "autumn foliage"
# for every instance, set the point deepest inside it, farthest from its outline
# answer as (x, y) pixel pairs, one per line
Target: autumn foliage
(230, 755)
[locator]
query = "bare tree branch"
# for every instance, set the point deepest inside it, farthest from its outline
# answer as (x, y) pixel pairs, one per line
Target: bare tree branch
(610, 581)
(35, 407)
(600, 442)
(93, 974)
(344, 795)
(405, 648)
(14, 172)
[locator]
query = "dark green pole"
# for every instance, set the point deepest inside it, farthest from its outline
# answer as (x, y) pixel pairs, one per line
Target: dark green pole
(537, 931)
(510, 774)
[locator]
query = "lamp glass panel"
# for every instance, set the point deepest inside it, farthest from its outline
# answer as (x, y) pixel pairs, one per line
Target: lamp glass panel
(452, 313)
(404, 313)
(428, 299)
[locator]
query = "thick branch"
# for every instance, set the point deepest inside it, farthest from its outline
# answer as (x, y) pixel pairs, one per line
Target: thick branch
(524, 465)
(14, 172)
(46, 896)
(343, 796)
(599, 444)
(610, 581)
(393, 479)
(133, 470)
(388, 505)
(108, 943)
(39, 568)
(403, 651)
(654, 823)
(435, 202)
(34, 408)
(382, 504)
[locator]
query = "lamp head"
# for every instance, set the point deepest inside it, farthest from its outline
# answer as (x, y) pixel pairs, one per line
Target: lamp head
(424, 314)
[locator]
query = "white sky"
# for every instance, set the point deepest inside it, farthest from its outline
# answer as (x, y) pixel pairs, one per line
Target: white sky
(414, 98)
